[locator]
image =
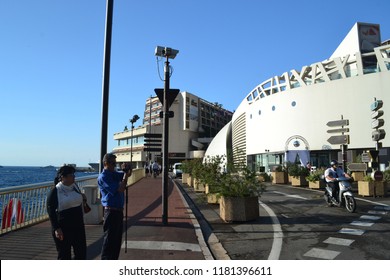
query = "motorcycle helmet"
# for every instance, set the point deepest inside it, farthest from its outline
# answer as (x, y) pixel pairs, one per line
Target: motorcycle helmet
(334, 162)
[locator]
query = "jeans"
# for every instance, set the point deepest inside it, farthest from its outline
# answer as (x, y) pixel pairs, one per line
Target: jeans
(113, 230)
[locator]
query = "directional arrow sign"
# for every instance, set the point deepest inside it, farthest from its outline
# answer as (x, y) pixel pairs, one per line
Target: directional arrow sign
(338, 123)
(339, 140)
(338, 130)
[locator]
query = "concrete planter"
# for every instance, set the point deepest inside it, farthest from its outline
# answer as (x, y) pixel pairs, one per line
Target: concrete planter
(279, 177)
(190, 181)
(213, 198)
(316, 185)
(365, 188)
(198, 186)
(299, 181)
(358, 175)
(375, 188)
(379, 188)
(239, 209)
(184, 178)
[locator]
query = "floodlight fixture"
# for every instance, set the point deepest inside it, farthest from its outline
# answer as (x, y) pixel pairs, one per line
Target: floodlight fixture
(165, 52)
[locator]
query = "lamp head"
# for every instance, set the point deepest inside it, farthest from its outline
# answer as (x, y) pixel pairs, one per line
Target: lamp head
(134, 119)
(165, 52)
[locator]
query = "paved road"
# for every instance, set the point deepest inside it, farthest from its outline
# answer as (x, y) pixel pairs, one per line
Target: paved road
(311, 230)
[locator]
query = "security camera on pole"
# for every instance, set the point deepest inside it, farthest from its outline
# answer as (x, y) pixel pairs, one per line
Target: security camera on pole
(166, 96)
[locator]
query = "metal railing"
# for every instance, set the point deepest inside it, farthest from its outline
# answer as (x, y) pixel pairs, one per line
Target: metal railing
(21, 206)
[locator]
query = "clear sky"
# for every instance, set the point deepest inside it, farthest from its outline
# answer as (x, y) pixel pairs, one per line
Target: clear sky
(51, 61)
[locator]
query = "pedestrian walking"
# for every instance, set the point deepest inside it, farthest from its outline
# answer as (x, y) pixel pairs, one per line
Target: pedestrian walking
(65, 209)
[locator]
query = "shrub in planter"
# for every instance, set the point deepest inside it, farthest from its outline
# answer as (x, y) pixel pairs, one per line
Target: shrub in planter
(239, 196)
(315, 179)
(279, 175)
(299, 174)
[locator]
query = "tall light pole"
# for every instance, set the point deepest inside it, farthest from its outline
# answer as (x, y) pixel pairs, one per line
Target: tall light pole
(167, 101)
(132, 121)
(106, 81)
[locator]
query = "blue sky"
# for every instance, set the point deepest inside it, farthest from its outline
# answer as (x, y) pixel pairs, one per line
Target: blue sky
(51, 61)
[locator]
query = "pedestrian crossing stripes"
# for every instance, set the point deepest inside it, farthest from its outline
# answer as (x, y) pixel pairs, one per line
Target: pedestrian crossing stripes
(351, 231)
(361, 224)
(364, 221)
(322, 254)
(369, 217)
(339, 241)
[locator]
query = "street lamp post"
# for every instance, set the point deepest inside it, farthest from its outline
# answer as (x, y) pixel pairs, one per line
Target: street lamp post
(132, 121)
(166, 53)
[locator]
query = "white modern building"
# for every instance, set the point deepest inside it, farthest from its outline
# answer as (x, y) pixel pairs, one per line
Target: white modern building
(195, 123)
(285, 118)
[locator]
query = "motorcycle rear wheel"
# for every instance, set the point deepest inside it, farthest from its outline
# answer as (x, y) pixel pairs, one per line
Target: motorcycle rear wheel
(350, 204)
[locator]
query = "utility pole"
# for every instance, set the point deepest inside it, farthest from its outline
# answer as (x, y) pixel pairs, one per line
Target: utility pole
(106, 81)
(166, 96)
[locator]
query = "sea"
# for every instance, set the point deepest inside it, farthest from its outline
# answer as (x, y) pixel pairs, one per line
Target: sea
(24, 175)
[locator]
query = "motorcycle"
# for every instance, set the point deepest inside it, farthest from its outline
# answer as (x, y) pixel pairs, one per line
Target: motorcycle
(344, 196)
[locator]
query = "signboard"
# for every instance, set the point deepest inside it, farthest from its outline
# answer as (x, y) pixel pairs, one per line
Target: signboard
(366, 157)
(377, 175)
(338, 130)
(339, 140)
(338, 123)
(353, 167)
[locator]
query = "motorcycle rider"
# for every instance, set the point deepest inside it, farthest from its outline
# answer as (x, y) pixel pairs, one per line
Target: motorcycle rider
(156, 168)
(331, 175)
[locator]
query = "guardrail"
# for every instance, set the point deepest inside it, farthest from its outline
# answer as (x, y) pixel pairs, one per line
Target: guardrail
(21, 206)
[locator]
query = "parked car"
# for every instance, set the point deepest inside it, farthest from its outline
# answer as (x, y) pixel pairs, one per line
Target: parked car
(176, 170)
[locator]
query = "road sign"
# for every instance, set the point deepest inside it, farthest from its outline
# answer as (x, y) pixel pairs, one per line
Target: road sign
(377, 175)
(373, 154)
(338, 130)
(339, 140)
(152, 144)
(377, 114)
(376, 105)
(353, 167)
(378, 135)
(366, 157)
(152, 149)
(171, 95)
(377, 123)
(338, 123)
(153, 135)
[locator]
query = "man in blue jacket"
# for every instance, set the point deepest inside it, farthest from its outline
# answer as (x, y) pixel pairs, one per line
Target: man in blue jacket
(112, 185)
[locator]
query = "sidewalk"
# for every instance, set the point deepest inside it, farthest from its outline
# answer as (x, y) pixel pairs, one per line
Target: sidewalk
(147, 237)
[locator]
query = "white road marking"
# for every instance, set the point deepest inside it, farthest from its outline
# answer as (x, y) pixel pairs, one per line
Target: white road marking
(162, 245)
(374, 212)
(322, 254)
(369, 217)
(278, 233)
(361, 224)
(351, 231)
(291, 195)
(382, 207)
(339, 241)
